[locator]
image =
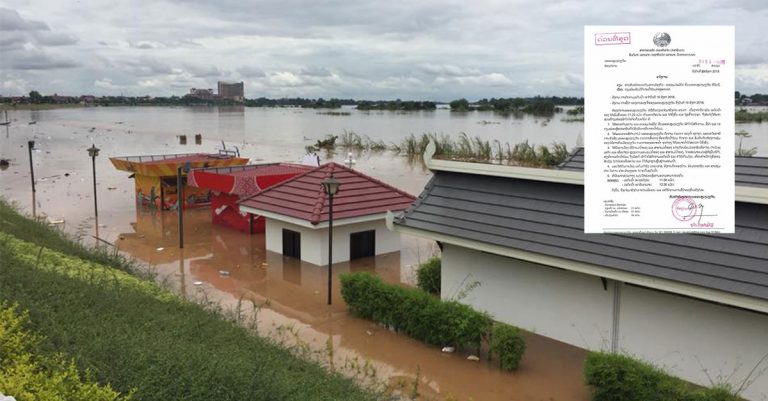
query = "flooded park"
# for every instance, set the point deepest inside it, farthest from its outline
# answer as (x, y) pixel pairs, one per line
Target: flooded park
(284, 298)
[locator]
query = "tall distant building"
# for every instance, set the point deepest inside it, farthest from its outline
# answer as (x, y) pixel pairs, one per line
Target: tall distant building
(231, 90)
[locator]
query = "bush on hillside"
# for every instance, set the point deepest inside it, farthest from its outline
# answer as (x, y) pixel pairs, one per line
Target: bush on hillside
(428, 276)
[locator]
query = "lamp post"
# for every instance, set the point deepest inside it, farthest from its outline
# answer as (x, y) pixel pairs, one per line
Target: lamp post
(180, 199)
(180, 205)
(350, 160)
(331, 188)
(31, 146)
(93, 151)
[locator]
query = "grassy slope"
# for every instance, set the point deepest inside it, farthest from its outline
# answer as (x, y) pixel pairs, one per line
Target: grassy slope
(132, 334)
(38, 232)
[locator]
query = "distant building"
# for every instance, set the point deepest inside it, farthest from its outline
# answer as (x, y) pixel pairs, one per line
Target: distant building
(87, 99)
(231, 90)
(62, 99)
(205, 94)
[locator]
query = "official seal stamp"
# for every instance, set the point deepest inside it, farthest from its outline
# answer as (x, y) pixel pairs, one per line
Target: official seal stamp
(684, 208)
(662, 39)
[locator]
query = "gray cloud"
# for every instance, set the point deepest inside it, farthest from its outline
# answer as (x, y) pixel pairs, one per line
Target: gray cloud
(11, 20)
(251, 72)
(47, 38)
(431, 49)
(35, 60)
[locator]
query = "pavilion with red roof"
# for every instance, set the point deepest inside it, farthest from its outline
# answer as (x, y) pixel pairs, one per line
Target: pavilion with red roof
(296, 213)
(228, 185)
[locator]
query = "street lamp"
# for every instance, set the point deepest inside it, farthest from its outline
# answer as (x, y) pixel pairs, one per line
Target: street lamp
(350, 160)
(31, 146)
(180, 199)
(331, 188)
(93, 151)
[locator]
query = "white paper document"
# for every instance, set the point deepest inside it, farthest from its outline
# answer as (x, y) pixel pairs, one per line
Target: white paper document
(659, 129)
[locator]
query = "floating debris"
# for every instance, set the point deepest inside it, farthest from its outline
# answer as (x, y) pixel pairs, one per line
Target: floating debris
(473, 358)
(449, 349)
(197, 283)
(160, 249)
(55, 222)
(223, 273)
(368, 332)
(4, 164)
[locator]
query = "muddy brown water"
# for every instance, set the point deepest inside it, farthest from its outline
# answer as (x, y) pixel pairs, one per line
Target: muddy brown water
(293, 299)
(291, 294)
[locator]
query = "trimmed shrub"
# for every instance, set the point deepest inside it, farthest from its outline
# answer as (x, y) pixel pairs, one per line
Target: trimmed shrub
(428, 276)
(414, 312)
(508, 344)
(615, 377)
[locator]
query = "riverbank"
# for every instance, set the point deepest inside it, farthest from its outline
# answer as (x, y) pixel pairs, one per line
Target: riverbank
(137, 337)
(30, 106)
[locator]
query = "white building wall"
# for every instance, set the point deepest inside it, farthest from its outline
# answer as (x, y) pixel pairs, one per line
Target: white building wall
(569, 307)
(685, 336)
(314, 242)
(311, 240)
(688, 336)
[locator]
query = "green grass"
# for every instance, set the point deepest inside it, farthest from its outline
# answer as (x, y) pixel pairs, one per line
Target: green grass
(131, 334)
(30, 375)
(616, 377)
(476, 149)
(39, 232)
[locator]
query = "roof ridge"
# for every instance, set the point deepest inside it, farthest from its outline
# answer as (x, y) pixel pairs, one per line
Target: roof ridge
(308, 191)
(317, 211)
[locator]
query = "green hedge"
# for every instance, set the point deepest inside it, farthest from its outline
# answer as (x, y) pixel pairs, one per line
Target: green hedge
(507, 344)
(414, 312)
(428, 276)
(133, 335)
(615, 377)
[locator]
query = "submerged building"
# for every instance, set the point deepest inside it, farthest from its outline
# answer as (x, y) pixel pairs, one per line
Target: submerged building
(297, 215)
(229, 185)
(155, 177)
(696, 305)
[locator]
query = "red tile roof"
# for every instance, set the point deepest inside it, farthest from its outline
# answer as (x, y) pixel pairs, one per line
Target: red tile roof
(302, 197)
(244, 180)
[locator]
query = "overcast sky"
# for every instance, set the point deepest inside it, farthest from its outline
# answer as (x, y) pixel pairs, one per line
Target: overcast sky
(365, 49)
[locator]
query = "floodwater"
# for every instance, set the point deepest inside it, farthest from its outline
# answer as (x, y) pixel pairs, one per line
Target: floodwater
(229, 268)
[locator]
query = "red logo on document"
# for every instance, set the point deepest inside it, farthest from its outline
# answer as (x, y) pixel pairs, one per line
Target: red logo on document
(612, 38)
(684, 208)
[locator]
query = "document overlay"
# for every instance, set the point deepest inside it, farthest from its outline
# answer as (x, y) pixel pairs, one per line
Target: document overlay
(659, 129)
